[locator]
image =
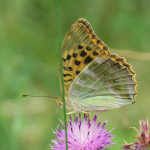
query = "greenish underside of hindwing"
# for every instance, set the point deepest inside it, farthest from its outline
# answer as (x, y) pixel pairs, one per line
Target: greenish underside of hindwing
(103, 84)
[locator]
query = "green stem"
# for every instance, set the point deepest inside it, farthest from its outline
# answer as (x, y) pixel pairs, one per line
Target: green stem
(61, 68)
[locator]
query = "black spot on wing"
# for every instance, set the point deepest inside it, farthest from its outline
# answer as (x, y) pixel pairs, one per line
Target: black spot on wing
(93, 36)
(68, 56)
(83, 54)
(87, 26)
(80, 46)
(68, 68)
(88, 60)
(63, 59)
(127, 65)
(120, 59)
(99, 42)
(77, 62)
(113, 56)
(95, 53)
(68, 80)
(77, 72)
(65, 75)
(83, 22)
(88, 48)
(117, 65)
(105, 48)
(74, 54)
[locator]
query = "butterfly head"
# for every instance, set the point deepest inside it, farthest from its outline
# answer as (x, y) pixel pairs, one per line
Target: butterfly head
(59, 101)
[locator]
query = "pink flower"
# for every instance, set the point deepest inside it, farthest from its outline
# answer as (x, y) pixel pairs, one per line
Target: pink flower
(143, 138)
(83, 134)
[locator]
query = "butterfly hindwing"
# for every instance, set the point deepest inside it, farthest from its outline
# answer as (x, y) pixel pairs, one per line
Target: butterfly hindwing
(103, 84)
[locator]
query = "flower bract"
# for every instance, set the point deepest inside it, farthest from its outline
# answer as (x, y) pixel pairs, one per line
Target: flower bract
(142, 141)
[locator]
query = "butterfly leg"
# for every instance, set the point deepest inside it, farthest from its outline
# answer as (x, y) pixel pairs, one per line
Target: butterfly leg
(72, 112)
(69, 113)
(88, 113)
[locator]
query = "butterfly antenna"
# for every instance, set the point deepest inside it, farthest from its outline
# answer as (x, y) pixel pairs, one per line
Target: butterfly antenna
(47, 92)
(36, 96)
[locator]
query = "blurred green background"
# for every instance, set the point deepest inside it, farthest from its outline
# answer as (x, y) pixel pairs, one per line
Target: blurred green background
(29, 59)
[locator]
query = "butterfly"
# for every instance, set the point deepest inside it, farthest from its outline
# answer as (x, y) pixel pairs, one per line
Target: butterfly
(94, 79)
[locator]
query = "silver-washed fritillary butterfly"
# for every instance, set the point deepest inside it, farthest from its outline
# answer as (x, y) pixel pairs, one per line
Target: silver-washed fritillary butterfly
(94, 79)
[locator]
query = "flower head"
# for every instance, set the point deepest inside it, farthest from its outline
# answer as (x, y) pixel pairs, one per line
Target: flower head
(83, 134)
(143, 138)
